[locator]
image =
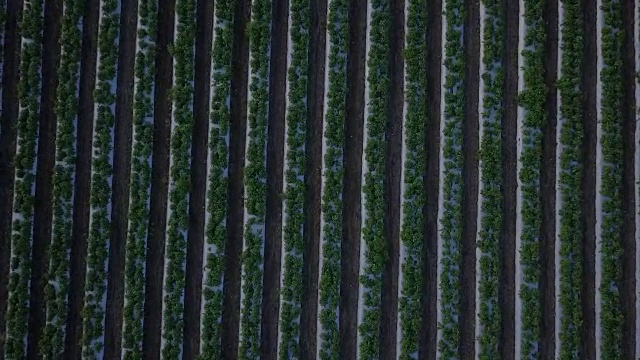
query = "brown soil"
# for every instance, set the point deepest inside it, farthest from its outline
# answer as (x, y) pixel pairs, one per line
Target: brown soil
(548, 188)
(275, 163)
(199, 150)
(313, 180)
(506, 291)
(8, 138)
(589, 78)
(235, 214)
(392, 175)
(628, 286)
(428, 345)
(152, 322)
(351, 192)
(82, 186)
(121, 180)
(43, 208)
(470, 175)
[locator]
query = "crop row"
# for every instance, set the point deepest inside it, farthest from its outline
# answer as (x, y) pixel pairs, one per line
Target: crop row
(30, 82)
(373, 230)
(335, 110)
(180, 173)
(611, 316)
(491, 194)
(66, 109)
(291, 292)
(532, 99)
(102, 168)
(216, 232)
(451, 222)
(255, 180)
(140, 181)
(570, 180)
(413, 224)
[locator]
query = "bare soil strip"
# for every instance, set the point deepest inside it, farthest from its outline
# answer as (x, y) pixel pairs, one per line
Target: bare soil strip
(43, 209)
(352, 192)
(235, 214)
(589, 111)
(275, 163)
(428, 344)
(506, 291)
(392, 178)
(313, 180)
(199, 153)
(628, 287)
(152, 321)
(469, 204)
(8, 139)
(121, 179)
(548, 187)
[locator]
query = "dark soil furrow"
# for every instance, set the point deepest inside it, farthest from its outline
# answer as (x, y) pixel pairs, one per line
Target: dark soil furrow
(8, 139)
(275, 163)
(589, 113)
(392, 176)
(507, 292)
(121, 179)
(428, 343)
(313, 180)
(43, 206)
(159, 183)
(235, 214)
(352, 186)
(195, 235)
(547, 337)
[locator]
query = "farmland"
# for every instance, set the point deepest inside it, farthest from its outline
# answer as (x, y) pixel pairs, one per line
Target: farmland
(325, 179)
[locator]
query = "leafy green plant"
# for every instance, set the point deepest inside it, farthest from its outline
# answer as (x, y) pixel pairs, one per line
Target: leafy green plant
(491, 194)
(216, 232)
(611, 249)
(180, 174)
(52, 343)
(412, 233)
(373, 229)
(291, 292)
(255, 180)
(451, 222)
(335, 112)
(27, 129)
(140, 181)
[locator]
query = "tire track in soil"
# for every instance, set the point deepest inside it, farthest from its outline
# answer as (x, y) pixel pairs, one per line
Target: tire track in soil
(506, 291)
(8, 141)
(352, 186)
(628, 286)
(428, 331)
(199, 153)
(43, 203)
(470, 171)
(589, 111)
(392, 186)
(313, 180)
(235, 215)
(275, 176)
(154, 268)
(121, 179)
(547, 343)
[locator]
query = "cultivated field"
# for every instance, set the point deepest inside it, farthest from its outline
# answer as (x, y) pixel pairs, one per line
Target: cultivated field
(320, 179)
